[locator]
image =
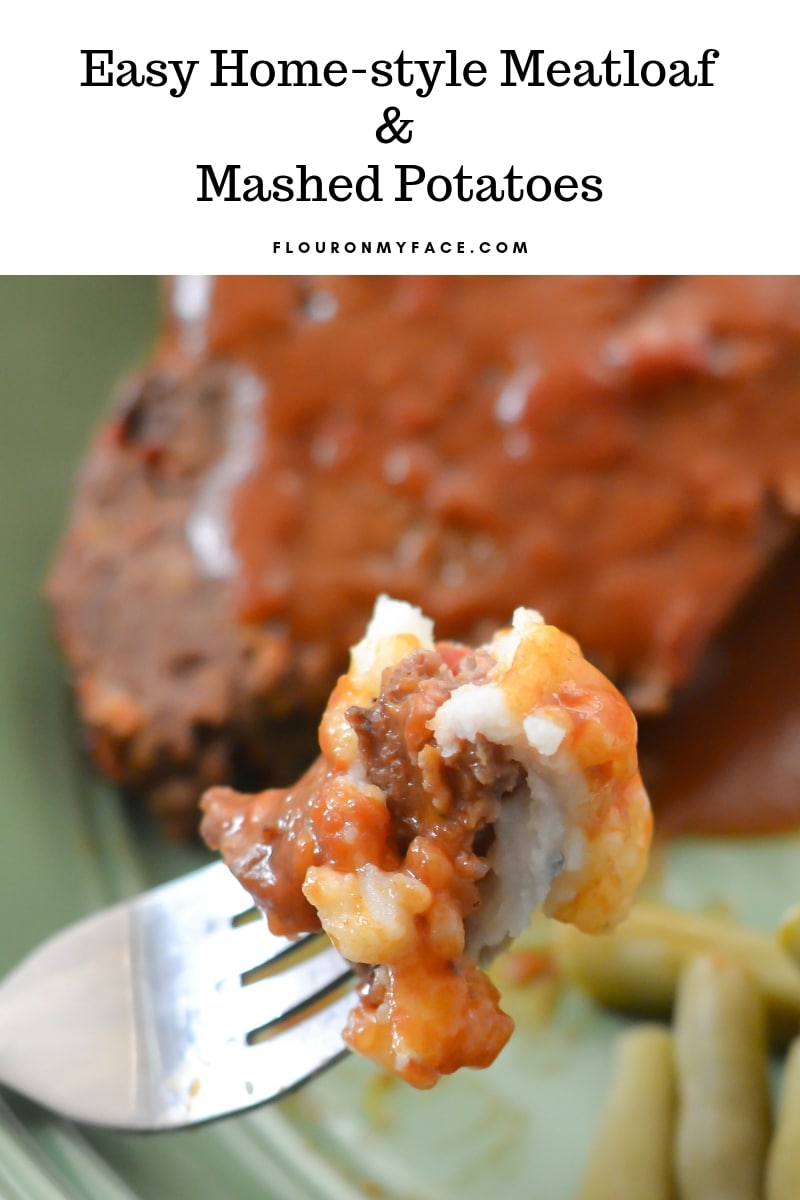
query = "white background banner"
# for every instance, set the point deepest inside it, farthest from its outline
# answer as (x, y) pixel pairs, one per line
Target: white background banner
(592, 165)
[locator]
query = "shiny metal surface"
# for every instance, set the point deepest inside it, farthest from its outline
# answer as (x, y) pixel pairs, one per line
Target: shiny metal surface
(154, 1014)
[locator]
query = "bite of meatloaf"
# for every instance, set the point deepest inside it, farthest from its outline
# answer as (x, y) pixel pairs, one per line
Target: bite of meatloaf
(457, 791)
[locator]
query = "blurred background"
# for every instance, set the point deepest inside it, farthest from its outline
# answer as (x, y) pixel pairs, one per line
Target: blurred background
(64, 342)
(69, 845)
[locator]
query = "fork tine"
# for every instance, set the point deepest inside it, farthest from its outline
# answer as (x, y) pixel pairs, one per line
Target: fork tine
(211, 890)
(259, 1004)
(204, 907)
(296, 1054)
(232, 952)
(138, 1017)
(266, 1070)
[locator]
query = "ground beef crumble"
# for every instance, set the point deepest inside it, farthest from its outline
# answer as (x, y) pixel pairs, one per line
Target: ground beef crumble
(436, 825)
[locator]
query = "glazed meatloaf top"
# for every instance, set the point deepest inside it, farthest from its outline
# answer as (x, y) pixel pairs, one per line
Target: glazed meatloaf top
(621, 453)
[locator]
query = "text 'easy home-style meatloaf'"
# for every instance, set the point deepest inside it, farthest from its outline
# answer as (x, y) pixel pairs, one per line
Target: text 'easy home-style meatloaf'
(621, 453)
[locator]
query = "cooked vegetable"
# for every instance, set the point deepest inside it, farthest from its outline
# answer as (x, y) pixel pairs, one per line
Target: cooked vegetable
(789, 932)
(721, 1067)
(637, 967)
(631, 1155)
(783, 1163)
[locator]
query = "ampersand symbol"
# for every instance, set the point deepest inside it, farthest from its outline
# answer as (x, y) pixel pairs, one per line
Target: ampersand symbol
(393, 130)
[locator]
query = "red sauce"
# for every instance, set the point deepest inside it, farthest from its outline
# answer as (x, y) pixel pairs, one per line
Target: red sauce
(428, 1010)
(727, 758)
(622, 453)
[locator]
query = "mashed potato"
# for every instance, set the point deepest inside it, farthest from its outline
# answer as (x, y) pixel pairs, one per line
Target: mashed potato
(457, 791)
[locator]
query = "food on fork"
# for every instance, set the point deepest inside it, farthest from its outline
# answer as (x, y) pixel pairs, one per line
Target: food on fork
(622, 452)
(457, 791)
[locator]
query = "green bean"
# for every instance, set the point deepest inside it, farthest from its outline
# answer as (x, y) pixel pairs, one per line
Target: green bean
(783, 1162)
(723, 1091)
(636, 968)
(789, 932)
(631, 1155)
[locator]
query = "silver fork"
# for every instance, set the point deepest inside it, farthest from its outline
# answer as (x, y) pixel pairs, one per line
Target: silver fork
(170, 1009)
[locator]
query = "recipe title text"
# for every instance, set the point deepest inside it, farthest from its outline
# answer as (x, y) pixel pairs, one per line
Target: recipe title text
(416, 78)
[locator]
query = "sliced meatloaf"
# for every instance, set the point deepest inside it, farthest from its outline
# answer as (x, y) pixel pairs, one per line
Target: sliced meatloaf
(622, 454)
(174, 692)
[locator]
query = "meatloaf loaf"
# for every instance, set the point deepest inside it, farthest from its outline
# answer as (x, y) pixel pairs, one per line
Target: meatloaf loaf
(621, 453)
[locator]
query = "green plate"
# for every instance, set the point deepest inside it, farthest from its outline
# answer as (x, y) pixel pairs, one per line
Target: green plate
(67, 846)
